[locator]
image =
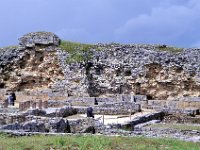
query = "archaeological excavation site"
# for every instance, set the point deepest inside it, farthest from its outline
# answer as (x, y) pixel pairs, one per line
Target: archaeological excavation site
(65, 87)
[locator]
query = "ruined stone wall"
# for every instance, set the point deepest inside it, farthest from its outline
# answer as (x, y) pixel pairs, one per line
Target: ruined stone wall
(121, 108)
(11, 118)
(177, 105)
(181, 119)
(55, 125)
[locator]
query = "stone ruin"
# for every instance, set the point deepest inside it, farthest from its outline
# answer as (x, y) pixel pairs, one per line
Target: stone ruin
(42, 116)
(129, 88)
(57, 113)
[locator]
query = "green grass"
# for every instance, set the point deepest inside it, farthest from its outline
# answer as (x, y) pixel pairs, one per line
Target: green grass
(92, 143)
(176, 126)
(170, 49)
(79, 52)
(10, 47)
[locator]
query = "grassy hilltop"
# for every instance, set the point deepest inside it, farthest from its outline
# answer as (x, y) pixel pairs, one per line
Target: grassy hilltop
(79, 50)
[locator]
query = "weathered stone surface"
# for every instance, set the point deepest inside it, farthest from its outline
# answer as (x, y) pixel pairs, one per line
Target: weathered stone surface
(33, 126)
(11, 118)
(35, 112)
(58, 125)
(22, 68)
(115, 69)
(118, 108)
(39, 38)
(181, 118)
(136, 69)
(144, 119)
(53, 125)
(140, 126)
(62, 112)
(82, 125)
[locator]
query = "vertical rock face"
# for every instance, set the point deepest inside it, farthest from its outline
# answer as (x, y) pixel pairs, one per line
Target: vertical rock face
(31, 65)
(136, 69)
(113, 69)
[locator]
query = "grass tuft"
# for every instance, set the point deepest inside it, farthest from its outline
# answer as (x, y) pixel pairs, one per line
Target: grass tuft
(79, 52)
(169, 49)
(9, 47)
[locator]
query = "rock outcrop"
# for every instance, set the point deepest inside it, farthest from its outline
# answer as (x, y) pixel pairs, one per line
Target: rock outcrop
(39, 38)
(25, 67)
(136, 69)
(113, 69)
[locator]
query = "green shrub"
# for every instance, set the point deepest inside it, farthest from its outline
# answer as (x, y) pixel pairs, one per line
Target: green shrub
(9, 47)
(169, 49)
(79, 52)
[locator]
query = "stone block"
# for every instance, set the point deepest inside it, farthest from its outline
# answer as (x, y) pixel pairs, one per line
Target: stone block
(21, 106)
(5, 104)
(45, 104)
(40, 104)
(39, 38)
(191, 111)
(33, 104)
(27, 105)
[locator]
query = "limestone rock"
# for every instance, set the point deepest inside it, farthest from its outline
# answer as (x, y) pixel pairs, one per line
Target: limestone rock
(58, 126)
(82, 125)
(136, 69)
(34, 127)
(36, 112)
(27, 68)
(39, 38)
(112, 70)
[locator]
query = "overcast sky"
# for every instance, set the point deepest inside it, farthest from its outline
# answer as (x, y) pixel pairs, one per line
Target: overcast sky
(172, 22)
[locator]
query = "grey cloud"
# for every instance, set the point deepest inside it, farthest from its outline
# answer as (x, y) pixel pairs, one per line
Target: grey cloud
(74, 34)
(162, 25)
(132, 21)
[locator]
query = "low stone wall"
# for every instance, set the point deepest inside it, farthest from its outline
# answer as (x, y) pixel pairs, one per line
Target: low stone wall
(181, 118)
(186, 102)
(186, 111)
(123, 108)
(11, 118)
(54, 125)
(62, 112)
(143, 119)
(90, 101)
(132, 98)
(105, 111)
(184, 105)
(53, 103)
(139, 127)
(24, 105)
(81, 101)
(82, 125)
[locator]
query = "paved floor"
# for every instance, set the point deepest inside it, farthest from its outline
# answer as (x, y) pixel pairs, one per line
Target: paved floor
(114, 119)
